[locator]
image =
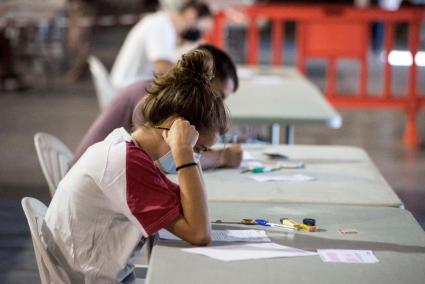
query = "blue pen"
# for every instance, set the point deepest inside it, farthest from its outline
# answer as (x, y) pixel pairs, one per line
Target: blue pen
(264, 222)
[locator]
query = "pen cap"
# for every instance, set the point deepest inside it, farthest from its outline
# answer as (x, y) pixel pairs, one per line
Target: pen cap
(262, 222)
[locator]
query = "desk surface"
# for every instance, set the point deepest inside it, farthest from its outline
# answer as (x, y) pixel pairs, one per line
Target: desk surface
(345, 175)
(269, 95)
(391, 233)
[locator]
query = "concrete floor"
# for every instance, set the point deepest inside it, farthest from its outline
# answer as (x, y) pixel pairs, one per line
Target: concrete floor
(66, 110)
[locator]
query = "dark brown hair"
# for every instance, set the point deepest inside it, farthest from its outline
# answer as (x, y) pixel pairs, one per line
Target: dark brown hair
(202, 9)
(225, 68)
(186, 90)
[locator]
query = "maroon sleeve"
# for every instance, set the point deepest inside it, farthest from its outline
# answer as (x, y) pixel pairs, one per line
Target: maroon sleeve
(118, 113)
(151, 197)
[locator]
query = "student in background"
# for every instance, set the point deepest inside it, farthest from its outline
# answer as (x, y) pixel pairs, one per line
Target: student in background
(81, 35)
(8, 73)
(115, 196)
(119, 112)
(150, 45)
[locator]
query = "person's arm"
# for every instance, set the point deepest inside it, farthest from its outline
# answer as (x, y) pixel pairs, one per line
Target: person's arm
(117, 114)
(162, 66)
(3, 8)
(193, 224)
(230, 157)
(160, 43)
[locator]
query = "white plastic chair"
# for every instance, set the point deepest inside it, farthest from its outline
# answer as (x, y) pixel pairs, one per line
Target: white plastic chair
(34, 211)
(54, 157)
(102, 83)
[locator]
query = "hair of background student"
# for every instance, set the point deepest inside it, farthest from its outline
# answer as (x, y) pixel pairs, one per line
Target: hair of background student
(202, 9)
(187, 91)
(224, 66)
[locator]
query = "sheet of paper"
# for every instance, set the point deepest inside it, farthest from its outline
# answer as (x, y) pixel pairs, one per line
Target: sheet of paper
(249, 161)
(347, 256)
(267, 79)
(227, 236)
(270, 177)
(245, 73)
(290, 165)
(248, 251)
(247, 156)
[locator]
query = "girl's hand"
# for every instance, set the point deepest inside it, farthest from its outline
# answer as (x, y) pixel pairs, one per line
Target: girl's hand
(232, 156)
(181, 136)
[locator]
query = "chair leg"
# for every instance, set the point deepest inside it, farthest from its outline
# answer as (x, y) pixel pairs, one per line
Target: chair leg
(141, 271)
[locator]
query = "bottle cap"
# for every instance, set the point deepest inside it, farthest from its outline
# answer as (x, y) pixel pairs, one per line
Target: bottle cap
(309, 221)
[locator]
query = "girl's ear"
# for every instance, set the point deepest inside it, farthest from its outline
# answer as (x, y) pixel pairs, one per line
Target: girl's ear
(165, 135)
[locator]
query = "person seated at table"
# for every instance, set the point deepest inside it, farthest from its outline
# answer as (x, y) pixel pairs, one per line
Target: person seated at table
(119, 113)
(150, 46)
(115, 196)
(10, 78)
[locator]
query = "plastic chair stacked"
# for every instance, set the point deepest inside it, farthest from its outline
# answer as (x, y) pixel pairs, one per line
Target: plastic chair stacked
(54, 157)
(104, 89)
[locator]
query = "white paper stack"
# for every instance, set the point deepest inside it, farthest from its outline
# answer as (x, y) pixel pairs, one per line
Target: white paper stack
(269, 177)
(248, 251)
(227, 236)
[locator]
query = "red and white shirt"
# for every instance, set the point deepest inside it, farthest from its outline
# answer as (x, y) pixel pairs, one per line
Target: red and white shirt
(109, 201)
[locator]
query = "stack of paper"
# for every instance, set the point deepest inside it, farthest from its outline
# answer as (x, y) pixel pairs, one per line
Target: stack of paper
(269, 177)
(245, 73)
(248, 251)
(227, 236)
(247, 156)
(267, 80)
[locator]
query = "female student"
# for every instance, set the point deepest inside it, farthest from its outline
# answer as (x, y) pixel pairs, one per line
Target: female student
(119, 112)
(115, 197)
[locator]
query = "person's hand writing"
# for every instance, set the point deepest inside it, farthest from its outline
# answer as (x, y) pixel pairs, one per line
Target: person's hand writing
(232, 156)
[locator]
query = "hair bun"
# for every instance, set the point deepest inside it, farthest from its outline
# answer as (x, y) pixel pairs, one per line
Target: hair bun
(186, 91)
(197, 65)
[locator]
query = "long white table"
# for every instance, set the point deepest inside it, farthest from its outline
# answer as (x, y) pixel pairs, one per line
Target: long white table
(344, 175)
(274, 96)
(391, 233)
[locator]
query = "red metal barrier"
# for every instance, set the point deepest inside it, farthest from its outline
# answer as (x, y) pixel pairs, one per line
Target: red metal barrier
(340, 31)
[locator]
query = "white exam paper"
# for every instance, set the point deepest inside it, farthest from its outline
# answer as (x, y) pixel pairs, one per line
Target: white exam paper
(248, 251)
(267, 79)
(347, 256)
(226, 235)
(245, 73)
(247, 156)
(269, 177)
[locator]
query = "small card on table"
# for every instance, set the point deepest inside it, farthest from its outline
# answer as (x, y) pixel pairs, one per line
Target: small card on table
(347, 256)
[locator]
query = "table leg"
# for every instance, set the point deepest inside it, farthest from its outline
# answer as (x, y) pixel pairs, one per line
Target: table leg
(290, 134)
(275, 133)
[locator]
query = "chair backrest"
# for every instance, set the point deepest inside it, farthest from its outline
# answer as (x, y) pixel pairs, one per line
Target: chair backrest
(102, 83)
(54, 157)
(34, 211)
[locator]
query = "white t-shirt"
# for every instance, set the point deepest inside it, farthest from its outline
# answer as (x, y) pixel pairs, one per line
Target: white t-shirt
(106, 205)
(152, 38)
